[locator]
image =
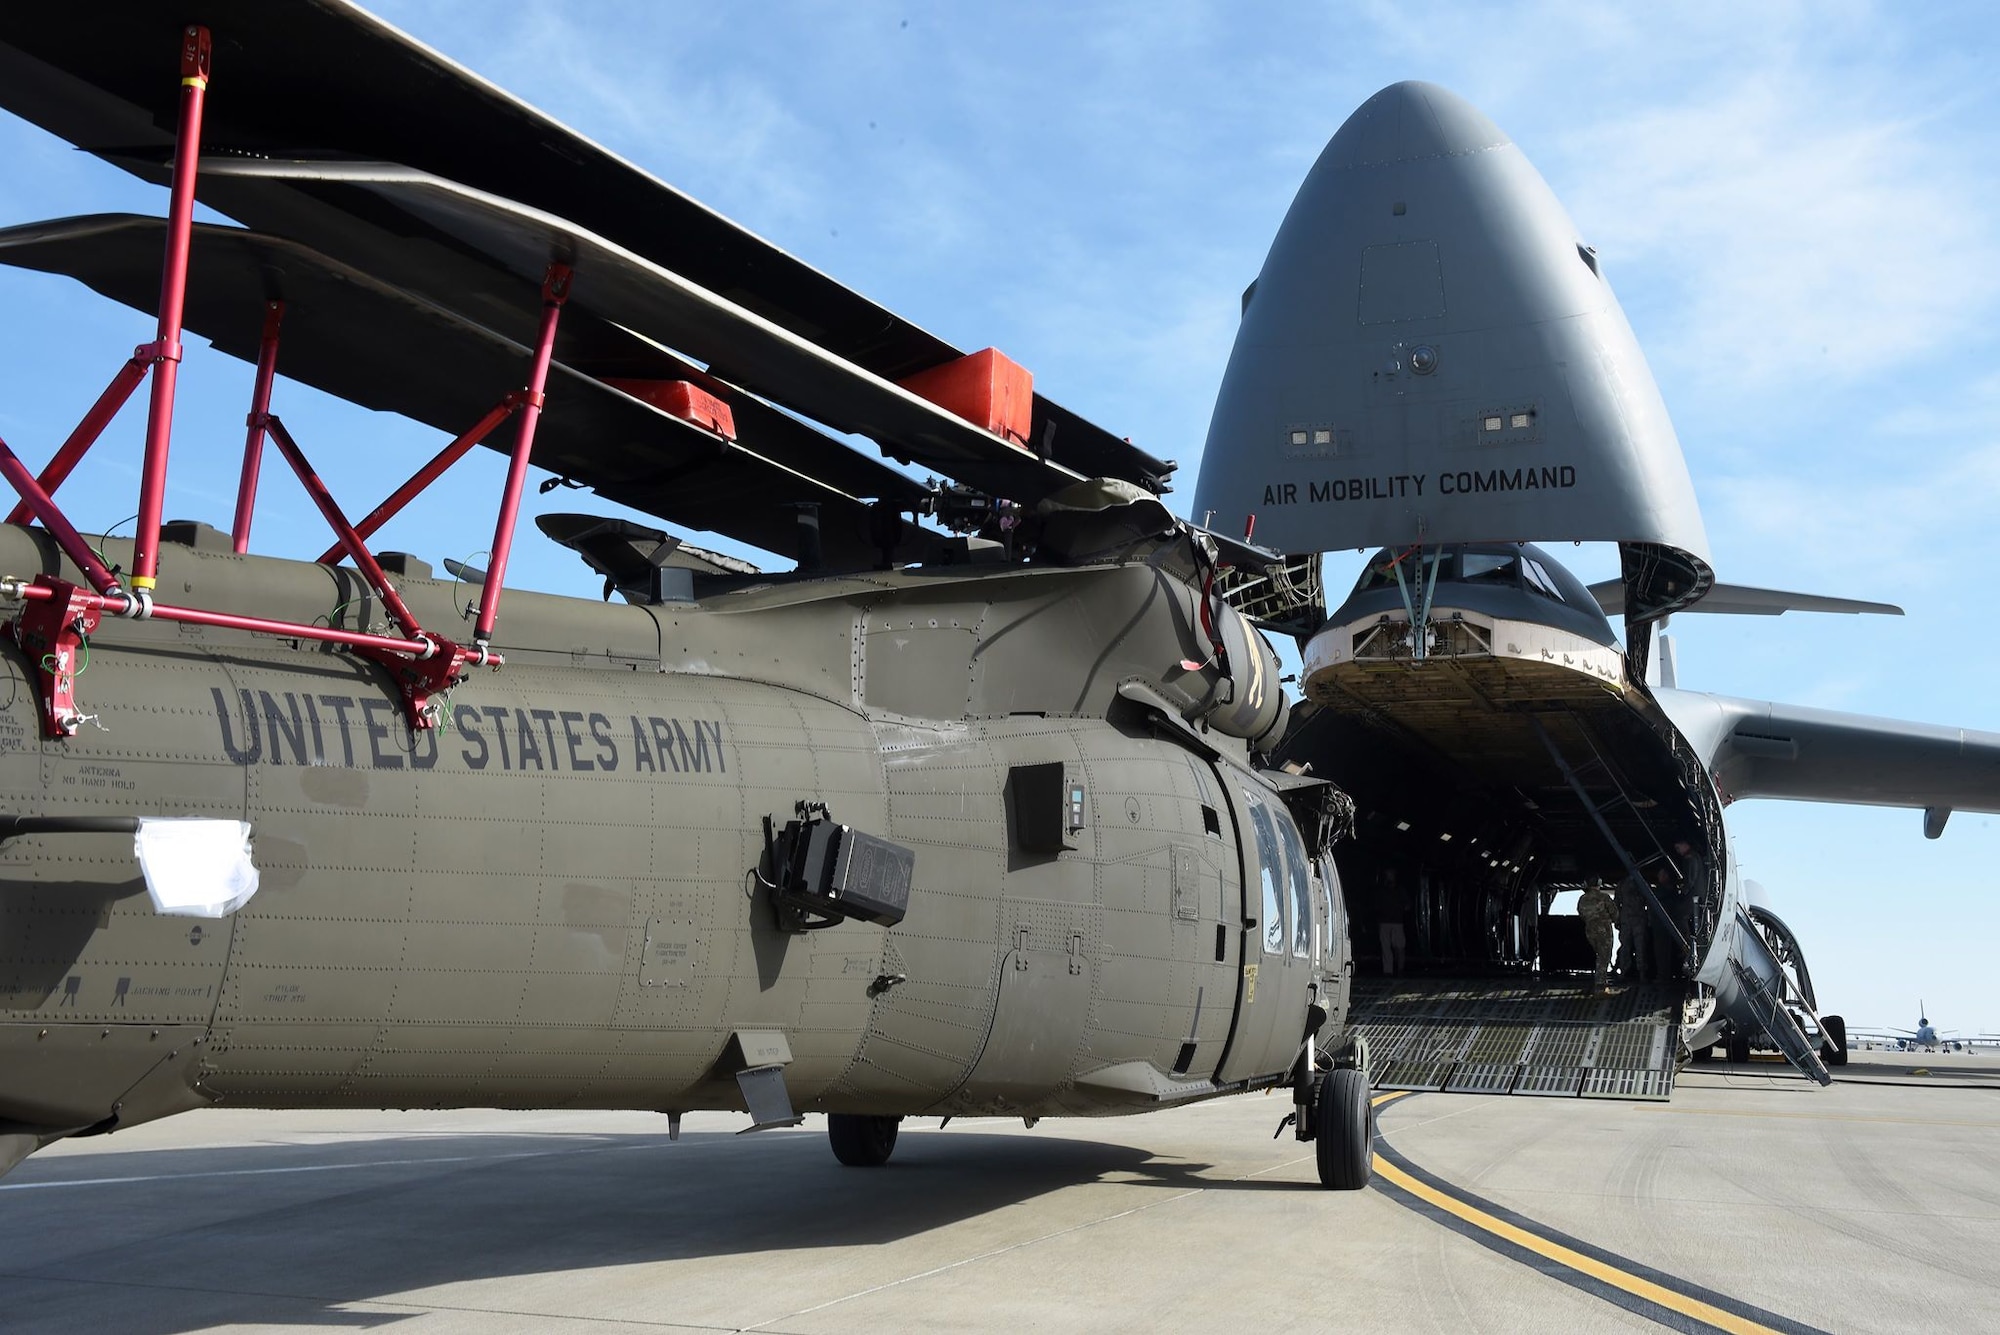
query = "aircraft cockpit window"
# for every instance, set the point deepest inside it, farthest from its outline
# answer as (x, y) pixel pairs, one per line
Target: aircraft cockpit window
(1417, 569)
(1380, 574)
(1302, 907)
(1489, 568)
(1539, 580)
(1273, 922)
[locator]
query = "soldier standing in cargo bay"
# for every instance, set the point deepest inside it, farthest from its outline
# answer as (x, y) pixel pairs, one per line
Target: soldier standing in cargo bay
(1599, 913)
(1634, 963)
(1389, 909)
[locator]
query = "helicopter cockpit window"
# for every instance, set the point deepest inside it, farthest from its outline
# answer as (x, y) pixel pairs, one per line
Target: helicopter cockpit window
(1273, 921)
(1329, 946)
(1302, 906)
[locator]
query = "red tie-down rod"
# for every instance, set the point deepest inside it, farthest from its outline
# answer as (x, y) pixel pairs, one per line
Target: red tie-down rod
(60, 615)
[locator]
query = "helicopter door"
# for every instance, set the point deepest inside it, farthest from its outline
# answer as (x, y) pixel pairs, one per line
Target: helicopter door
(1206, 922)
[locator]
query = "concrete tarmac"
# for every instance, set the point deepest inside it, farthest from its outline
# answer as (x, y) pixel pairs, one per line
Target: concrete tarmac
(1753, 1201)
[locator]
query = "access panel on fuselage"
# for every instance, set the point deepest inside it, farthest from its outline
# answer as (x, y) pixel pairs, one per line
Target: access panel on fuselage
(1167, 882)
(1120, 944)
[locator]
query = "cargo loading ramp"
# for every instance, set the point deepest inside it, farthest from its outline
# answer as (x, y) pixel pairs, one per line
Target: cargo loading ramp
(1516, 1036)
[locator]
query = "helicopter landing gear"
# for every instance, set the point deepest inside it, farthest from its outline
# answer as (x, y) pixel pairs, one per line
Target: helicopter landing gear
(861, 1141)
(1343, 1129)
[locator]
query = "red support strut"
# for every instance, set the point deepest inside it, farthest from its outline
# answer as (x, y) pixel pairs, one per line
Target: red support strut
(426, 475)
(166, 349)
(61, 615)
(58, 617)
(67, 538)
(555, 291)
(260, 411)
(88, 430)
(364, 560)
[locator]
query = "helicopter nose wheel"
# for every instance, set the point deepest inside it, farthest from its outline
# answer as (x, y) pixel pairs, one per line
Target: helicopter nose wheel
(1343, 1130)
(860, 1141)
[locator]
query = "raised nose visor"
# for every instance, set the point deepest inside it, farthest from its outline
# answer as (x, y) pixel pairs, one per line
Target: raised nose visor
(1431, 355)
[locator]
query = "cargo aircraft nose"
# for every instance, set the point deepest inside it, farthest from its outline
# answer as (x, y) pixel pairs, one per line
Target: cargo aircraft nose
(1431, 355)
(1408, 122)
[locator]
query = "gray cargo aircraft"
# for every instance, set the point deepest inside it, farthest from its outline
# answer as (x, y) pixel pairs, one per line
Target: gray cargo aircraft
(1432, 362)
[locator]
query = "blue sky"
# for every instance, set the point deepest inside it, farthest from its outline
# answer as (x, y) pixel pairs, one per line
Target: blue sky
(1798, 204)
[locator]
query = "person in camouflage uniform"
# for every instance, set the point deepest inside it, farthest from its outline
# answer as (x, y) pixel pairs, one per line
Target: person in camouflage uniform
(1599, 912)
(1634, 959)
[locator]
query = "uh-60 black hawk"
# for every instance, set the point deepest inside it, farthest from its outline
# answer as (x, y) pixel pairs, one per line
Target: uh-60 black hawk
(993, 805)
(967, 819)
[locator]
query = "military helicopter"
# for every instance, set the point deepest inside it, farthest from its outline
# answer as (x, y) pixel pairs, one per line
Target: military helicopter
(970, 812)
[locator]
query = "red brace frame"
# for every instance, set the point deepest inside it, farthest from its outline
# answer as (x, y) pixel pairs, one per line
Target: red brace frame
(59, 616)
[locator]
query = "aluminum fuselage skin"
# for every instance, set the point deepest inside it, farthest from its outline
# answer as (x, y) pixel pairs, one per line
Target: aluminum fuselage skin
(553, 902)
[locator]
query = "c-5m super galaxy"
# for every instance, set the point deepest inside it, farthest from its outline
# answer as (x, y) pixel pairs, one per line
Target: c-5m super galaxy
(1433, 363)
(993, 805)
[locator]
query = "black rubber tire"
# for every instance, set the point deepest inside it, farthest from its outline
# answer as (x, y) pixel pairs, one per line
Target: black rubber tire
(1739, 1049)
(1705, 1053)
(1344, 1131)
(860, 1141)
(1833, 1040)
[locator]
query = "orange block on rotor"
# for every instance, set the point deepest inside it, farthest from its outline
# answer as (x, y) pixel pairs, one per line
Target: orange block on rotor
(984, 388)
(678, 398)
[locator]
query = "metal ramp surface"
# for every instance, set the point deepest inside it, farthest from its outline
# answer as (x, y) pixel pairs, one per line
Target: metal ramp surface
(1513, 1036)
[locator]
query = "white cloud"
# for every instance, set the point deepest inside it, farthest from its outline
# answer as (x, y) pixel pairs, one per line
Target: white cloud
(1807, 237)
(1906, 523)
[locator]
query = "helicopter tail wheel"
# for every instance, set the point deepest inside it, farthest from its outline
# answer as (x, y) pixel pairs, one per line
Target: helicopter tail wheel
(860, 1141)
(1833, 1040)
(1343, 1131)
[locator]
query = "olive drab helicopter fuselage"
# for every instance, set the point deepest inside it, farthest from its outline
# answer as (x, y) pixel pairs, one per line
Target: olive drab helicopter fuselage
(571, 894)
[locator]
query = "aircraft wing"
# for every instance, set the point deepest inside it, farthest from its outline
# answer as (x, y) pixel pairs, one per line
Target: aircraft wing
(1742, 600)
(359, 339)
(1758, 749)
(323, 79)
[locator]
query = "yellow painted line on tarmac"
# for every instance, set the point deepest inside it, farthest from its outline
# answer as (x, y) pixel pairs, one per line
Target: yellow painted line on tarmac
(1567, 1257)
(1574, 1260)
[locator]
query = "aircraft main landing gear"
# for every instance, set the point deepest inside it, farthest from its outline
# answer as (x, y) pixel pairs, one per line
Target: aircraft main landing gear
(1738, 1049)
(861, 1141)
(1344, 1130)
(1833, 1040)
